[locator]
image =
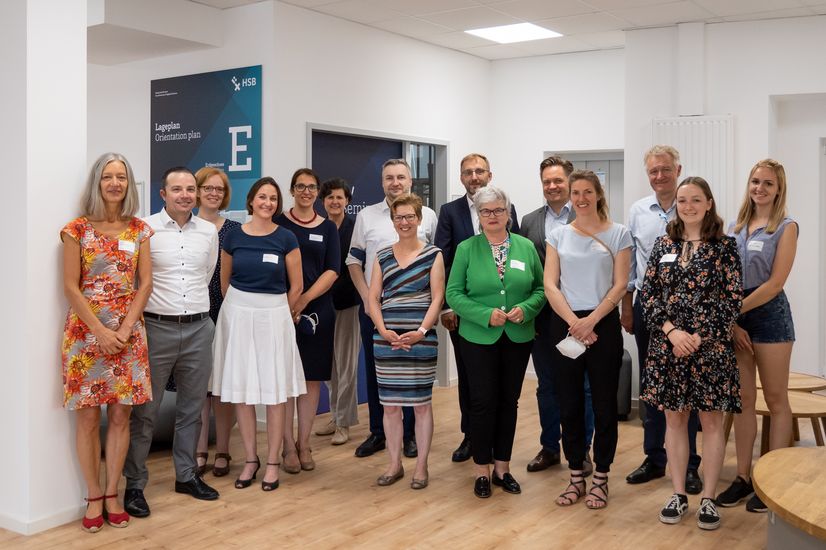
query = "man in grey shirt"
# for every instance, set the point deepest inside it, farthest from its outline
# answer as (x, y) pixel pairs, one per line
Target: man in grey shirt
(647, 220)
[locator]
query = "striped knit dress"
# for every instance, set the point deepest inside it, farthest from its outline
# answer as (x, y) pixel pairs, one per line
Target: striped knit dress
(405, 378)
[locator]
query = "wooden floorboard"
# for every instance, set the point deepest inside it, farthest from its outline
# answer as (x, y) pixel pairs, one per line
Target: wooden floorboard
(339, 505)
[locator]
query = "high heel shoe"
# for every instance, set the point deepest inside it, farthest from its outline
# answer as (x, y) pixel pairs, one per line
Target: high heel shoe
(308, 464)
(92, 525)
(270, 485)
(201, 468)
(117, 519)
(219, 471)
(244, 483)
(291, 467)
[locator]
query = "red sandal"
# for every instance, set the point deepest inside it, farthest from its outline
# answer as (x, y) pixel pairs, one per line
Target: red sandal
(92, 525)
(120, 519)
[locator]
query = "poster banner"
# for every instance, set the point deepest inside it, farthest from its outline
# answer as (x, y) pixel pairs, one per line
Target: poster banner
(207, 119)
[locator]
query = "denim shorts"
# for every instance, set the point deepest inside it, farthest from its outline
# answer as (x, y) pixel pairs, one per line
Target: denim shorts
(770, 323)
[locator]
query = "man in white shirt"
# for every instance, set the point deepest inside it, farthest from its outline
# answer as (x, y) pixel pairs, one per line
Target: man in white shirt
(373, 231)
(647, 220)
(179, 335)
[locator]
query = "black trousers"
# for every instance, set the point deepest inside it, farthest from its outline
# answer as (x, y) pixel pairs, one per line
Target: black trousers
(495, 375)
(601, 362)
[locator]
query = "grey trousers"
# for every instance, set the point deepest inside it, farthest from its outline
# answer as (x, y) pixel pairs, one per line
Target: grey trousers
(185, 350)
(343, 384)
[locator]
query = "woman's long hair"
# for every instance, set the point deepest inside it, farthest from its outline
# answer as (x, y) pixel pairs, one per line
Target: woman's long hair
(712, 226)
(778, 208)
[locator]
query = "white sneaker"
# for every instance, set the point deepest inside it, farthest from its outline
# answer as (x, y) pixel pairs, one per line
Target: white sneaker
(341, 436)
(329, 428)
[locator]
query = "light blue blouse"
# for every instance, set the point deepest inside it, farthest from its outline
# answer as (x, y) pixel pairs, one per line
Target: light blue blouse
(757, 252)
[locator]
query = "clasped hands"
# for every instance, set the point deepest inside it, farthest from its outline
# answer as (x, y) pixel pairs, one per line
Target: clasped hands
(684, 343)
(499, 317)
(583, 330)
(110, 341)
(404, 341)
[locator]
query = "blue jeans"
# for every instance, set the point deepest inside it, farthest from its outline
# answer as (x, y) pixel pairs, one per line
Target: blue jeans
(546, 389)
(654, 424)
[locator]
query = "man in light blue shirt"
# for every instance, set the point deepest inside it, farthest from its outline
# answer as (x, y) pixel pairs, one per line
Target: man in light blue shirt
(647, 220)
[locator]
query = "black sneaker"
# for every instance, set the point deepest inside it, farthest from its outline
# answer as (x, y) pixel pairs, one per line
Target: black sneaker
(756, 505)
(738, 491)
(674, 509)
(708, 517)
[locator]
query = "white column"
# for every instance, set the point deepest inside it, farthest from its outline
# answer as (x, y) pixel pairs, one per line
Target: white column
(43, 145)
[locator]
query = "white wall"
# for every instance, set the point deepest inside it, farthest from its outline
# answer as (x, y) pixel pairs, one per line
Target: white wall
(746, 64)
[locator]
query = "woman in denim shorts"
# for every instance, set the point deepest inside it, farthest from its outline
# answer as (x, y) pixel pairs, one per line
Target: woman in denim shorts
(764, 333)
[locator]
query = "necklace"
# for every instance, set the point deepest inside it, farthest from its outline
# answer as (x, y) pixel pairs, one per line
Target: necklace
(299, 220)
(688, 250)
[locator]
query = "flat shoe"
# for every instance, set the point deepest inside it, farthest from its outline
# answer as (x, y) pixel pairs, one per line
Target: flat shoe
(200, 469)
(507, 483)
(219, 471)
(385, 480)
(481, 488)
(291, 466)
(419, 483)
(309, 464)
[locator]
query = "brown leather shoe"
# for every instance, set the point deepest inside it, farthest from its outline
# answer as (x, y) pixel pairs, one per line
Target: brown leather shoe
(543, 460)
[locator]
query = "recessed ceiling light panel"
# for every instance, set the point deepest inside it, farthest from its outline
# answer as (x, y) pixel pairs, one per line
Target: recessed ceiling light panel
(508, 34)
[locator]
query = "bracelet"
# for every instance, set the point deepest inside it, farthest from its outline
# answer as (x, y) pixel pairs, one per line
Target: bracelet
(422, 330)
(672, 329)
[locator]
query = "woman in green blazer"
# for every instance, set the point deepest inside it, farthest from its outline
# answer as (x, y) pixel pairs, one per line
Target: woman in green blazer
(496, 289)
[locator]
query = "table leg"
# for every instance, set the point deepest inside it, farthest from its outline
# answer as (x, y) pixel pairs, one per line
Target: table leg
(818, 433)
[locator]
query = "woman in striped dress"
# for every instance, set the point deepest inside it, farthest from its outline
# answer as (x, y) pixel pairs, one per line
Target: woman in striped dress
(404, 305)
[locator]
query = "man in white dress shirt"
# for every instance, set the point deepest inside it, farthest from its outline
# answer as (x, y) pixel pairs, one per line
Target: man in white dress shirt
(179, 334)
(373, 231)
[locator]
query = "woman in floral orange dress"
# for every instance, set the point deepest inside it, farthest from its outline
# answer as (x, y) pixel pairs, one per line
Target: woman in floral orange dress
(107, 279)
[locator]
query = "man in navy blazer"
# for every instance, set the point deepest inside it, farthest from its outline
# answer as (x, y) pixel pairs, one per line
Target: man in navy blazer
(458, 221)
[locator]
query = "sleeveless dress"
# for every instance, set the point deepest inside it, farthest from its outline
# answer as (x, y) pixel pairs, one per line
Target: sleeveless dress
(108, 266)
(405, 378)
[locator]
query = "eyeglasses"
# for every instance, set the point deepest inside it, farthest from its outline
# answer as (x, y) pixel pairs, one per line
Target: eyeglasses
(487, 212)
(213, 189)
(479, 172)
(301, 187)
(409, 218)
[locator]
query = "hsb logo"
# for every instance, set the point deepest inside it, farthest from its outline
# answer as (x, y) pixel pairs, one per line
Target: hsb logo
(243, 83)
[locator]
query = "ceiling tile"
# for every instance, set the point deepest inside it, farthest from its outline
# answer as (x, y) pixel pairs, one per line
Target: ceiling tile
(411, 26)
(549, 46)
(497, 51)
(362, 11)
(777, 14)
(533, 10)
(609, 5)
(471, 18)
(603, 40)
(819, 10)
(664, 14)
(458, 40)
(742, 7)
(592, 22)
(422, 7)
(309, 3)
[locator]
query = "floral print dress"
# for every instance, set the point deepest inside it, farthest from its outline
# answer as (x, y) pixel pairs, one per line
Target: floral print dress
(704, 297)
(108, 266)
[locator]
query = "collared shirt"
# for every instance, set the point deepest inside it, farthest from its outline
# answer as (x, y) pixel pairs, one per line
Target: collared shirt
(474, 216)
(374, 230)
(183, 259)
(646, 221)
(554, 220)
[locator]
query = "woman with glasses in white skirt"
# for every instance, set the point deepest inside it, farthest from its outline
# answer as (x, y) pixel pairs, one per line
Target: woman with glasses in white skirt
(256, 358)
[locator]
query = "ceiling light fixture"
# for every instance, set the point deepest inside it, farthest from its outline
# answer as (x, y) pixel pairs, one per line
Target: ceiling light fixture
(508, 34)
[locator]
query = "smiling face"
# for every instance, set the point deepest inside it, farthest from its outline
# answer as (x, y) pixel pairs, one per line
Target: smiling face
(211, 193)
(265, 202)
(555, 187)
(405, 221)
(305, 191)
(763, 187)
(584, 197)
(179, 193)
(396, 181)
(692, 204)
(663, 173)
(335, 203)
(475, 173)
(114, 182)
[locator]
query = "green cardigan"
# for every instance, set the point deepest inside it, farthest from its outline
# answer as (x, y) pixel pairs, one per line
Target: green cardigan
(474, 289)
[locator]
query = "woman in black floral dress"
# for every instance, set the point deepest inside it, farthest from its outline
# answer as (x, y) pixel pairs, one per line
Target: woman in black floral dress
(691, 297)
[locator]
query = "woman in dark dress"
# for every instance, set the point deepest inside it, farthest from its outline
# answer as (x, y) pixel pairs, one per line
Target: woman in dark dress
(691, 297)
(313, 312)
(214, 193)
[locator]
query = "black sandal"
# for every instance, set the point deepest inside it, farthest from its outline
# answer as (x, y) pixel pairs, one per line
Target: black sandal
(600, 483)
(244, 483)
(574, 491)
(270, 485)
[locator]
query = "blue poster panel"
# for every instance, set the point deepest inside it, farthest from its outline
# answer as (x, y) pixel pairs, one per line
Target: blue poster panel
(207, 119)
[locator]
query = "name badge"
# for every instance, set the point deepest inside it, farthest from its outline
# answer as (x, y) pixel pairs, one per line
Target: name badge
(756, 246)
(129, 246)
(317, 238)
(668, 258)
(270, 258)
(516, 264)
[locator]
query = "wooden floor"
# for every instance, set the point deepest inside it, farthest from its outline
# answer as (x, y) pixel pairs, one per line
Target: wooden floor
(339, 505)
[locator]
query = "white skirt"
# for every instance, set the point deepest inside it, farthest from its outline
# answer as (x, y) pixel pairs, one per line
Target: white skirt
(256, 359)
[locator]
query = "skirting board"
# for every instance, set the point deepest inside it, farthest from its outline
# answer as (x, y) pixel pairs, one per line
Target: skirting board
(18, 525)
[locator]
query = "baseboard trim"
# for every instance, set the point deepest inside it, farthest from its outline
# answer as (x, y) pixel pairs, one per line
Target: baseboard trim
(18, 525)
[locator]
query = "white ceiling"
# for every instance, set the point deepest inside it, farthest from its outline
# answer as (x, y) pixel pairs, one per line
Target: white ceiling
(585, 24)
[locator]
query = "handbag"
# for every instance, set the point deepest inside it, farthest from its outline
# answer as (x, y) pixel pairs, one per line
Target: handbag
(571, 347)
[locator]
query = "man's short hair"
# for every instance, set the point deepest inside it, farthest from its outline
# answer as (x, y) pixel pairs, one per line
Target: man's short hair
(553, 160)
(174, 170)
(658, 150)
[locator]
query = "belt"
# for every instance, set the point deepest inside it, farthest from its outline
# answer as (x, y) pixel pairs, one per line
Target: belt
(195, 317)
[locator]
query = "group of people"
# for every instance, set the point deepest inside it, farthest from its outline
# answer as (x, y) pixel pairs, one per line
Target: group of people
(273, 315)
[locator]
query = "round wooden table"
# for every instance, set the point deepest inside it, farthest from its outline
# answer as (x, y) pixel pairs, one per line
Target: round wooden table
(790, 482)
(804, 405)
(802, 382)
